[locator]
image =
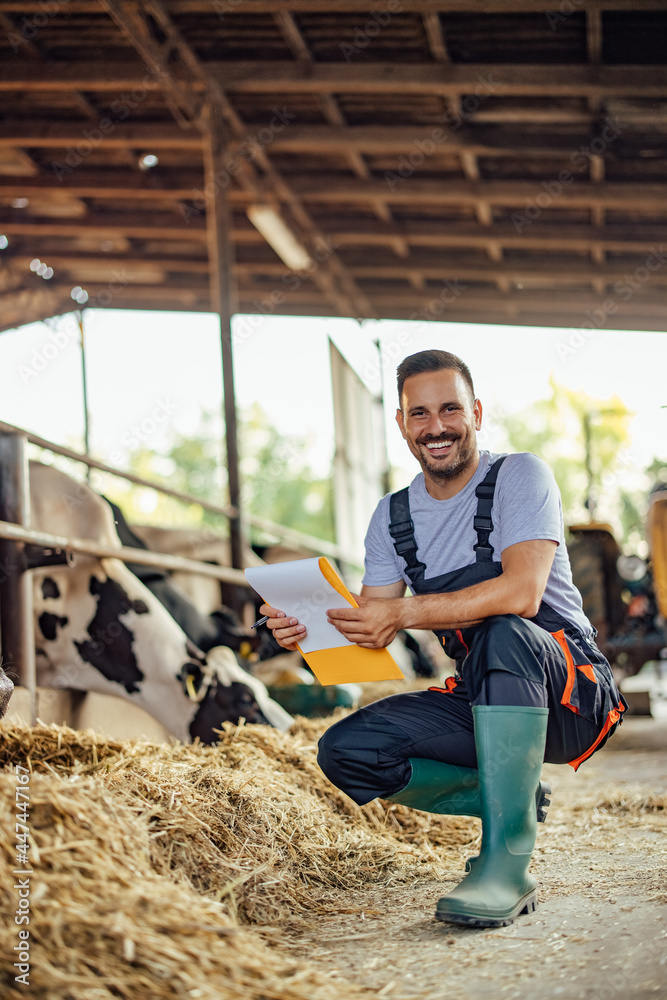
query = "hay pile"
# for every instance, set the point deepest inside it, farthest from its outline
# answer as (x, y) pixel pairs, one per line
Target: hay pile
(151, 861)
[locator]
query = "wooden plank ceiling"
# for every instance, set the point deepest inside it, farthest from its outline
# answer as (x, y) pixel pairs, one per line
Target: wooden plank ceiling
(498, 161)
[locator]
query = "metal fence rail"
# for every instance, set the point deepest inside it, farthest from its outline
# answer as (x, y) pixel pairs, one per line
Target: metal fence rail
(16, 605)
(61, 543)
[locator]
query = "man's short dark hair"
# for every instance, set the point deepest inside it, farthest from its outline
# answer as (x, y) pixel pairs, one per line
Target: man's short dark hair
(431, 361)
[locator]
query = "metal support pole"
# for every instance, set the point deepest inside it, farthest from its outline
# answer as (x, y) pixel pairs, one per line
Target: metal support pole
(386, 477)
(16, 614)
(223, 301)
(84, 384)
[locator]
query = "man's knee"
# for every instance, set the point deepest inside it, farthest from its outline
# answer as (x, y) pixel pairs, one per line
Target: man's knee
(507, 631)
(326, 750)
(337, 746)
(505, 643)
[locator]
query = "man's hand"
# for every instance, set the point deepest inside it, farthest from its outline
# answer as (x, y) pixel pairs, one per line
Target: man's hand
(373, 624)
(286, 631)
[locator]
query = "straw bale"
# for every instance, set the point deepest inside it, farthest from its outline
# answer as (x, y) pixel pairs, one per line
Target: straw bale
(150, 859)
(103, 924)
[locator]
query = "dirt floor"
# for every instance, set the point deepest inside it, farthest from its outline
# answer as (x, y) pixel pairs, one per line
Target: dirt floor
(600, 929)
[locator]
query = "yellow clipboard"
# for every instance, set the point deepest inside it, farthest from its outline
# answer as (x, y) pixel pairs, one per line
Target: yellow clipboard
(351, 663)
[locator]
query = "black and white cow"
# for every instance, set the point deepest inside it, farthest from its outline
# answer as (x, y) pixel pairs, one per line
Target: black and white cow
(6, 688)
(98, 628)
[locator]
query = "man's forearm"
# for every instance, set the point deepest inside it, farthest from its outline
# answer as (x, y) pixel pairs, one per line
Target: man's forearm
(461, 608)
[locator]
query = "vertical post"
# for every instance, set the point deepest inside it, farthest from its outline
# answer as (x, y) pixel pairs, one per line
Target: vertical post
(386, 484)
(84, 383)
(16, 617)
(223, 301)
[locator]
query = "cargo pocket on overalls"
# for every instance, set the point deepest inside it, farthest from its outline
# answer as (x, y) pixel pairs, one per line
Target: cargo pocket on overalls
(585, 696)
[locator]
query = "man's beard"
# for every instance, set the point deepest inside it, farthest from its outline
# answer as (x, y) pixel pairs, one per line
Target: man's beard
(455, 468)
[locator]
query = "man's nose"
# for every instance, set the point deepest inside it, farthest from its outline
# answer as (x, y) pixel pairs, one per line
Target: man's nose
(436, 425)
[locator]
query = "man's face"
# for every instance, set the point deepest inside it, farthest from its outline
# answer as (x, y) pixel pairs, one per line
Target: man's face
(439, 421)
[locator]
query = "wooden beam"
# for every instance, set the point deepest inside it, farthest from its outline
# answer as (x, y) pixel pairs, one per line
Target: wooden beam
(106, 134)
(485, 140)
(284, 77)
(540, 237)
(331, 189)
(133, 265)
(192, 7)
(647, 300)
(135, 224)
(435, 37)
(528, 274)
(326, 189)
(292, 35)
(594, 35)
(329, 273)
(573, 304)
(126, 185)
(30, 306)
(345, 233)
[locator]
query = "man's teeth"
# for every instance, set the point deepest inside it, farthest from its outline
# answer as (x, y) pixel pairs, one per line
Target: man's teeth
(434, 445)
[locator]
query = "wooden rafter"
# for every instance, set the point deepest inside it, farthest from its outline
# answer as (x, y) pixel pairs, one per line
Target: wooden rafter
(175, 186)
(375, 160)
(330, 275)
(283, 77)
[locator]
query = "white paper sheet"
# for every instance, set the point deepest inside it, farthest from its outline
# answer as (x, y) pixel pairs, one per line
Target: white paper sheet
(299, 589)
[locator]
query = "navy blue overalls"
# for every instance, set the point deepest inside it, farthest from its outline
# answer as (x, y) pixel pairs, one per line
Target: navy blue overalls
(367, 754)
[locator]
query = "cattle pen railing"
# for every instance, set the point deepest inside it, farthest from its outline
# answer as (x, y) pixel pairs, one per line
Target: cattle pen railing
(22, 548)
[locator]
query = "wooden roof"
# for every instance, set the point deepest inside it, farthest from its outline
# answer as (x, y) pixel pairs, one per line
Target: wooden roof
(471, 160)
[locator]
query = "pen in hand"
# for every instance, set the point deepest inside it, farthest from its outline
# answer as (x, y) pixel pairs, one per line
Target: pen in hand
(260, 622)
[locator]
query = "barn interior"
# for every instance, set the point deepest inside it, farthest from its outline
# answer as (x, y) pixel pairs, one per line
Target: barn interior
(360, 159)
(518, 147)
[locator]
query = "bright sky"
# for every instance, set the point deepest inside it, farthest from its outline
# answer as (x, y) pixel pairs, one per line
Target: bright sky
(152, 373)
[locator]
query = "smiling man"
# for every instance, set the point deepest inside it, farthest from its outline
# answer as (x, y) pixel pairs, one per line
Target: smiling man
(479, 540)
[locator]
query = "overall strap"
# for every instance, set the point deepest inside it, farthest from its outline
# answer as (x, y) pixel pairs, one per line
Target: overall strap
(402, 530)
(482, 522)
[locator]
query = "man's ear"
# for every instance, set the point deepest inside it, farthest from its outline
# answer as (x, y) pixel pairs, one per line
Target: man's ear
(477, 410)
(400, 422)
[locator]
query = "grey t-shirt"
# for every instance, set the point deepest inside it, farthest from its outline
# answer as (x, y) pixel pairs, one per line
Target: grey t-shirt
(526, 506)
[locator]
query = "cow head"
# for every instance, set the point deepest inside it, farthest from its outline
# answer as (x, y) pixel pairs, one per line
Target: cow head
(218, 696)
(6, 688)
(225, 692)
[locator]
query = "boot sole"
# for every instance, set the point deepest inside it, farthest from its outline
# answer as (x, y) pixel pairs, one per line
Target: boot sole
(528, 905)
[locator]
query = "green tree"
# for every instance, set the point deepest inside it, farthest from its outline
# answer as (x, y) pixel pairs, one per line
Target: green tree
(277, 483)
(580, 438)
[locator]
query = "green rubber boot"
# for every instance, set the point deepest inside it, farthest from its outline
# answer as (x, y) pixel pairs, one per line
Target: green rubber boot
(453, 791)
(510, 749)
(542, 803)
(440, 788)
